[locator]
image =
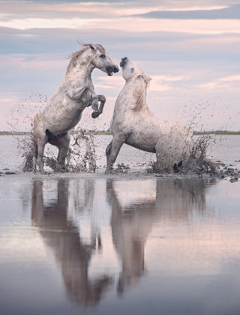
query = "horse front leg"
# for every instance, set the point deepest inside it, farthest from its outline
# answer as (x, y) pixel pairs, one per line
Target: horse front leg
(112, 152)
(77, 93)
(102, 100)
(108, 151)
(40, 150)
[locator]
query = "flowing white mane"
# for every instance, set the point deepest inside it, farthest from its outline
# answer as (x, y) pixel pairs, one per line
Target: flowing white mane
(141, 85)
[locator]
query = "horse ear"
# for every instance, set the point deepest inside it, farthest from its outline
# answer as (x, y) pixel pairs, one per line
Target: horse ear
(147, 78)
(140, 76)
(91, 46)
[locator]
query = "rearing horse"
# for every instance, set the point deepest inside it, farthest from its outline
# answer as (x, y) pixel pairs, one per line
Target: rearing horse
(75, 93)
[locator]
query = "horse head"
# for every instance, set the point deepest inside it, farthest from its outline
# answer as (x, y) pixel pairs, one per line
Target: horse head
(95, 56)
(131, 72)
(138, 80)
(102, 60)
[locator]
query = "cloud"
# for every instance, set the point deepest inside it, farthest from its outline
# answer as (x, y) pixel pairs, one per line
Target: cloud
(210, 12)
(98, 9)
(56, 11)
(7, 100)
(168, 25)
(231, 78)
(130, 24)
(111, 81)
(162, 82)
(120, 16)
(227, 83)
(188, 59)
(24, 24)
(158, 83)
(26, 62)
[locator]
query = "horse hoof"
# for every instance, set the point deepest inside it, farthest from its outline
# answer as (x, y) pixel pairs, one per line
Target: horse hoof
(95, 114)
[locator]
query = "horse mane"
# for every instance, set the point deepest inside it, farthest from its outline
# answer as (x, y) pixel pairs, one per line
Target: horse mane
(140, 91)
(74, 56)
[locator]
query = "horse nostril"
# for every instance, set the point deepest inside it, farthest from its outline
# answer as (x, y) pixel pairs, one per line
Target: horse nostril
(115, 69)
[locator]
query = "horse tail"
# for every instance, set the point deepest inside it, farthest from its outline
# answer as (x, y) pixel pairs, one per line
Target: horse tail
(50, 134)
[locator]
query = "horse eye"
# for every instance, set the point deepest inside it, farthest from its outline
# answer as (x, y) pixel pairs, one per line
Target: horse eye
(102, 56)
(132, 69)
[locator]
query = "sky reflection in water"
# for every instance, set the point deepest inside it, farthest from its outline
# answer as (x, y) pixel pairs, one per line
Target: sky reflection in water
(97, 245)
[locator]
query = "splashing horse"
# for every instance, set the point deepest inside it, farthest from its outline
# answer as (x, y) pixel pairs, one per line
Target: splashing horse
(64, 109)
(134, 124)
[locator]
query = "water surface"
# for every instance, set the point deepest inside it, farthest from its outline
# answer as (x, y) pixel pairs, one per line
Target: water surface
(225, 148)
(97, 245)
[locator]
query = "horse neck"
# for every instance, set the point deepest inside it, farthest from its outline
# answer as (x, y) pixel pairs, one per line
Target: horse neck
(124, 100)
(83, 70)
(84, 73)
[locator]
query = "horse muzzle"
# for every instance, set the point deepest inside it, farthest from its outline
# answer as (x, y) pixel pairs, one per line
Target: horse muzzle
(123, 61)
(112, 69)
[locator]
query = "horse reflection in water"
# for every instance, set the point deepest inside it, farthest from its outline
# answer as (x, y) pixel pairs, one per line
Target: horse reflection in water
(136, 206)
(63, 238)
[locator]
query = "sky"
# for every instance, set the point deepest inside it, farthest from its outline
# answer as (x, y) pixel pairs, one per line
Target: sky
(191, 50)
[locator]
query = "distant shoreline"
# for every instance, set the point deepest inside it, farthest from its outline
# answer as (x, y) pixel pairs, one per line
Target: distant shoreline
(22, 133)
(19, 133)
(216, 132)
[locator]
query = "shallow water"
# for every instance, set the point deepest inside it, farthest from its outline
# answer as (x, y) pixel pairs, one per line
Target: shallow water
(11, 156)
(225, 148)
(119, 244)
(96, 245)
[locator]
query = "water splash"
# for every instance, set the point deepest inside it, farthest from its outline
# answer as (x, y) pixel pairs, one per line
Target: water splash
(27, 149)
(197, 162)
(81, 155)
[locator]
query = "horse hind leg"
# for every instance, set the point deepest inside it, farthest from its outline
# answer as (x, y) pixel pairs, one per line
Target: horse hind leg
(62, 143)
(63, 149)
(165, 161)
